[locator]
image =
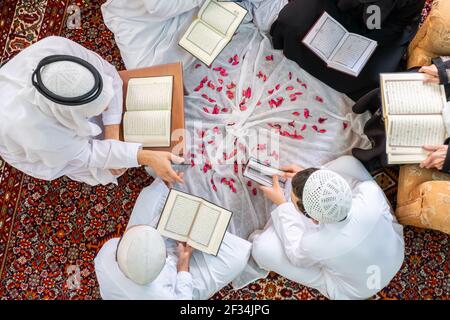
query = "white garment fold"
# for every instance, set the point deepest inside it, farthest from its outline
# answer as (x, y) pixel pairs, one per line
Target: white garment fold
(47, 140)
(352, 259)
(223, 117)
(208, 274)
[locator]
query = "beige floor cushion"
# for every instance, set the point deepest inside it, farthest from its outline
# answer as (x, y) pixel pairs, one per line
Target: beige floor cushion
(423, 198)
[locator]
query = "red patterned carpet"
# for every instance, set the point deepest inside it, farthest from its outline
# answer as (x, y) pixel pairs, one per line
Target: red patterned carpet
(46, 227)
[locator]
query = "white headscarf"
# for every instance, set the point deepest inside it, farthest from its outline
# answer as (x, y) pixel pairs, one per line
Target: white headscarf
(35, 128)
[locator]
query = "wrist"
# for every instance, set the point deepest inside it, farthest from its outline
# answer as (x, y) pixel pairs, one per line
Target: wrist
(145, 157)
(112, 131)
(183, 265)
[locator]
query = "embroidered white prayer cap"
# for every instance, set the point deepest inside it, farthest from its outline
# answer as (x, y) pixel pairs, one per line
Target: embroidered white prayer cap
(141, 254)
(67, 79)
(327, 197)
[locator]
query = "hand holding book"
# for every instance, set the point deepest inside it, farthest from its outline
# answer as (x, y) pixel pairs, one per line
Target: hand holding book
(437, 157)
(274, 193)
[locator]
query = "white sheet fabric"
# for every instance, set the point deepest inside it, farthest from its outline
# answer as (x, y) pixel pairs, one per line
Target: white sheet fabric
(47, 140)
(353, 259)
(208, 274)
(148, 31)
(251, 102)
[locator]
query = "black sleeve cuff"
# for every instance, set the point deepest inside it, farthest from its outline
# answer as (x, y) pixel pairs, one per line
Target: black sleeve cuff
(442, 70)
(277, 35)
(446, 167)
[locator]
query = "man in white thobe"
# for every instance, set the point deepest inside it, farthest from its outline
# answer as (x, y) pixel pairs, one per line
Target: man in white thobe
(47, 140)
(147, 32)
(203, 275)
(337, 235)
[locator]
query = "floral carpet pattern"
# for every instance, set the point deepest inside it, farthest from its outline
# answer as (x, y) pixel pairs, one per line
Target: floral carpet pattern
(50, 232)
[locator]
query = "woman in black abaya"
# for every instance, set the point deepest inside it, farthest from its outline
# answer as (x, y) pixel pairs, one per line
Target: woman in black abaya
(399, 22)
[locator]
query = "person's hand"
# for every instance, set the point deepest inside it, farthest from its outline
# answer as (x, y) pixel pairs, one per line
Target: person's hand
(436, 158)
(291, 170)
(274, 194)
(170, 185)
(184, 256)
(112, 132)
(431, 74)
(161, 163)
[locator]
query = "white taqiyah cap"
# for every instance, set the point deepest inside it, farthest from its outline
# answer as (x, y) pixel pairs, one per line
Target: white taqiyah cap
(141, 254)
(327, 197)
(67, 79)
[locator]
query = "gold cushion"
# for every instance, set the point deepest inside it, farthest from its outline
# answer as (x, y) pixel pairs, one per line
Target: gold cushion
(433, 38)
(423, 198)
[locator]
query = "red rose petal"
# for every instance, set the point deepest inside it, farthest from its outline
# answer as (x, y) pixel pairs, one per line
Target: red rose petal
(306, 113)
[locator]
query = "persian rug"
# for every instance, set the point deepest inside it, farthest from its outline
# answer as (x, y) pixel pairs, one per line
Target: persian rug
(50, 231)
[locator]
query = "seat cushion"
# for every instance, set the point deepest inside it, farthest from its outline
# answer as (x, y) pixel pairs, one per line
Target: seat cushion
(424, 199)
(431, 40)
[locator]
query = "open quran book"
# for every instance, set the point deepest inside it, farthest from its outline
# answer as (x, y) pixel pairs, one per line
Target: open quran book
(214, 28)
(341, 50)
(261, 173)
(149, 110)
(193, 220)
(413, 116)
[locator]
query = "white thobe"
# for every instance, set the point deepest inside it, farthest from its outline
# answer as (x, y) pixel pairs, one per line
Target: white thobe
(352, 259)
(207, 275)
(99, 154)
(147, 32)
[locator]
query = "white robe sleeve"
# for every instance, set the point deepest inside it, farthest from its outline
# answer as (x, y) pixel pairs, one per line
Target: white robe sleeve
(113, 115)
(290, 227)
(171, 8)
(108, 154)
(184, 286)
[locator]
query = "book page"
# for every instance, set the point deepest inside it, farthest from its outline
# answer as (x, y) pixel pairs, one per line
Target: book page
(416, 131)
(205, 39)
(262, 173)
(257, 176)
(412, 97)
(353, 53)
(204, 225)
(203, 232)
(151, 128)
(406, 158)
(149, 94)
(181, 214)
(220, 16)
(325, 36)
